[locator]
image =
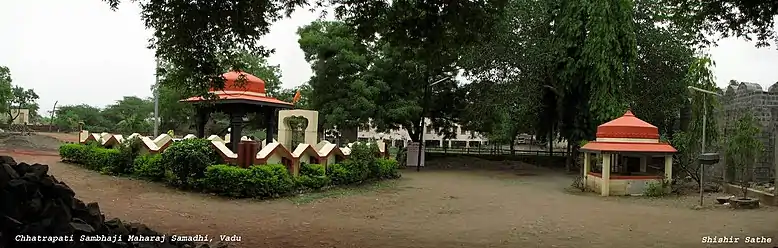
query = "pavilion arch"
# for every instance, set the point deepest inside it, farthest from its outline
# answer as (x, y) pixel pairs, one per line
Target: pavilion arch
(310, 131)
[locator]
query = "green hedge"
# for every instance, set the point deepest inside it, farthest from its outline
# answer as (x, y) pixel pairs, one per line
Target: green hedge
(91, 157)
(190, 164)
(261, 181)
(149, 166)
(387, 169)
(312, 177)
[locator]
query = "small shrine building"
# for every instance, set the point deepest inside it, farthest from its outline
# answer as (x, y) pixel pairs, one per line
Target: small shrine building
(243, 93)
(626, 157)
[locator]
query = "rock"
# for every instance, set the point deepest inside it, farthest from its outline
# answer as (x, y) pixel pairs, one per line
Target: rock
(744, 203)
(35, 203)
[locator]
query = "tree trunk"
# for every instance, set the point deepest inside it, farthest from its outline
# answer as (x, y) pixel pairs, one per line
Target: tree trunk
(550, 144)
(569, 160)
(513, 145)
(685, 117)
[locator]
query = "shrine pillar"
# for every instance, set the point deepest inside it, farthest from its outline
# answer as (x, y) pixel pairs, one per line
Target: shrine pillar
(668, 168)
(605, 185)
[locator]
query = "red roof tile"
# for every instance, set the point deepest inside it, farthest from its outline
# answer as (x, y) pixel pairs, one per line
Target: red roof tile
(628, 126)
(628, 147)
(240, 97)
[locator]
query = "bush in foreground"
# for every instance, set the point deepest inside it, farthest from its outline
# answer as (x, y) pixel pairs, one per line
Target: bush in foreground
(185, 162)
(149, 166)
(260, 181)
(312, 177)
(387, 169)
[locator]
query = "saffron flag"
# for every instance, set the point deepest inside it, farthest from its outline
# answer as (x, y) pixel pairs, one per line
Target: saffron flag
(296, 97)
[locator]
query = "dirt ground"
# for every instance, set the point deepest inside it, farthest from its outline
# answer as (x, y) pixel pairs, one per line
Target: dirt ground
(432, 208)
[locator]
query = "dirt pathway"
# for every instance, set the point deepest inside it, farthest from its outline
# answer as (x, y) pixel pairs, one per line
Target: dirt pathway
(428, 209)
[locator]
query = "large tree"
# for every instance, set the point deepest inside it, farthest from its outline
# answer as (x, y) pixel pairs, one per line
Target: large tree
(702, 106)
(6, 88)
(508, 71)
(21, 98)
(749, 19)
(658, 91)
(417, 43)
(70, 116)
(201, 36)
(596, 52)
(340, 88)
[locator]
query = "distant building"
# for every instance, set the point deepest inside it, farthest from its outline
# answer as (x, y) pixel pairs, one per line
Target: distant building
(22, 118)
(400, 137)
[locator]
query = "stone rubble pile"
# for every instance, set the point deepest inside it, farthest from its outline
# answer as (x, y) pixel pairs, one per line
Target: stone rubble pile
(37, 210)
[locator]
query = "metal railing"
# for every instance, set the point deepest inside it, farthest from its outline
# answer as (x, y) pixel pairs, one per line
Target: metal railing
(492, 151)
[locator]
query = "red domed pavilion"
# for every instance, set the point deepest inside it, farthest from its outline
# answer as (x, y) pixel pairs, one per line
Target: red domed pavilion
(629, 156)
(238, 98)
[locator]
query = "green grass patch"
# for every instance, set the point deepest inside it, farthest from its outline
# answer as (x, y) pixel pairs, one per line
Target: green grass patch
(344, 191)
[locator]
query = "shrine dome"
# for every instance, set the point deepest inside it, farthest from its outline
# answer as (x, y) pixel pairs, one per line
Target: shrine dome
(252, 83)
(628, 134)
(627, 127)
(250, 91)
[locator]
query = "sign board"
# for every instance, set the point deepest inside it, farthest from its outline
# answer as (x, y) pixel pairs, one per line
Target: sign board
(413, 154)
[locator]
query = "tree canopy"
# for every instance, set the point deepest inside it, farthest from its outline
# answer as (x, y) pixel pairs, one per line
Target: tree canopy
(749, 19)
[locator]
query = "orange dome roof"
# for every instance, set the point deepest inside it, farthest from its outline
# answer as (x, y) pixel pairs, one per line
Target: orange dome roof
(629, 127)
(251, 84)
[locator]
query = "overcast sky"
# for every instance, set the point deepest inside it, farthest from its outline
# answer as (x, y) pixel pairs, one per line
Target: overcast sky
(78, 51)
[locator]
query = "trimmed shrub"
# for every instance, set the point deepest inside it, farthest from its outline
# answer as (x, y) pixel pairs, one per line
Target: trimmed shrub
(363, 162)
(312, 169)
(149, 166)
(128, 152)
(75, 153)
(260, 181)
(339, 174)
(271, 180)
(91, 157)
(186, 161)
(227, 180)
(387, 168)
(313, 182)
(312, 176)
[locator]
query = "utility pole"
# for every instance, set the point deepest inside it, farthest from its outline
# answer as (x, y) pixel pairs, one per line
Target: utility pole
(156, 99)
(704, 127)
(51, 118)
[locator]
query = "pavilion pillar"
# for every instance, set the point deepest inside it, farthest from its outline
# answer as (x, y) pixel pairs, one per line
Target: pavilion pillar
(201, 118)
(668, 168)
(236, 129)
(643, 163)
(605, 185)
(271, 122)
(586, 167)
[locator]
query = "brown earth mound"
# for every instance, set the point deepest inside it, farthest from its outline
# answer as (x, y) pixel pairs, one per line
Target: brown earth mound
(17, 141)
